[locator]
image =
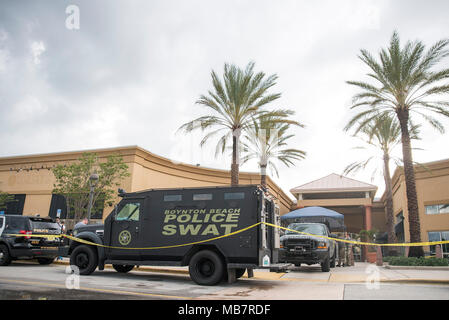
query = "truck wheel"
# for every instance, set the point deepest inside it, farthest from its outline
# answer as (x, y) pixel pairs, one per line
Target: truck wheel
(85, 258)
(45, 260)
(5, 257)
(206, 268)
(325, 265)
(122, 268)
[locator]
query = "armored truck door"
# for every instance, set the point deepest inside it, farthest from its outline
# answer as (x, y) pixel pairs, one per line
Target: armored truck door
(126, 230)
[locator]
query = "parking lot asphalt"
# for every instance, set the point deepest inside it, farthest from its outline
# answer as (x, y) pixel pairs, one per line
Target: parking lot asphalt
(29, 280)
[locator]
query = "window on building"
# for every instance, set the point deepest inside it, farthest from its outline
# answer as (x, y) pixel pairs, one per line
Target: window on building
(59, 203)
(15, 206)
(437, 209)
(400, 217)
(202, 196)
(439, 236)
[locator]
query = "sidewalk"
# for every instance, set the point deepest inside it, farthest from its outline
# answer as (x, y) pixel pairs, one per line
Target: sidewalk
(361, 272)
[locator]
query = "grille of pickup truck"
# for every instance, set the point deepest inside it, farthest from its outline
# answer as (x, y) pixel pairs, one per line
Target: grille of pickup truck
(306, 243)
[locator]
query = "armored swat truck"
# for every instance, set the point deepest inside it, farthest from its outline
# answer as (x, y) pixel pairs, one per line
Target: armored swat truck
(173, 227)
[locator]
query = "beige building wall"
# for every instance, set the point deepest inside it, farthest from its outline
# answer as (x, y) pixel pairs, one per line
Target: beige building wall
(31, 175)
(432, 184)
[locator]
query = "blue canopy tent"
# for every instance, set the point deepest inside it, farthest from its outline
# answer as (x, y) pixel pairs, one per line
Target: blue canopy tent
(333, 219)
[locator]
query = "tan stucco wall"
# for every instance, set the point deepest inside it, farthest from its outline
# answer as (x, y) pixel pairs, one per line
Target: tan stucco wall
(432, 184)
(379, 219)
(335, 202)
(148, 171)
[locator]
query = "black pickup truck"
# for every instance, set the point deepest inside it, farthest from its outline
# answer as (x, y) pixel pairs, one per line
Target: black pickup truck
(300, 248)
(28, 244)
(172, 227)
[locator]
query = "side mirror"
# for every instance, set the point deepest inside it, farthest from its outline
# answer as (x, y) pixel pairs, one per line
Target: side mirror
(332, 235)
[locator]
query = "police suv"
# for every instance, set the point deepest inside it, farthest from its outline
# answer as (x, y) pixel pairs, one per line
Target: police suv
(20, 239)
(217, 231)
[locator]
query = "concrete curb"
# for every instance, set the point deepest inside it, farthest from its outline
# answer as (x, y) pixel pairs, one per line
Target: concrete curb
(427, 268)
(273, 276)
(422, 281)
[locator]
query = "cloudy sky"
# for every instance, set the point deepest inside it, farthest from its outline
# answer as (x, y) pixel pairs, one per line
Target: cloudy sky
(131, 73)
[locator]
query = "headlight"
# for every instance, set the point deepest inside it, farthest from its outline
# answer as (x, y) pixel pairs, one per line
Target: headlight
(322, 245)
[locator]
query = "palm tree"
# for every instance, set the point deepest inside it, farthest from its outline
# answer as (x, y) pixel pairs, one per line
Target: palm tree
(405, 84)
(383, 134)
(265, 140)
(234, 103)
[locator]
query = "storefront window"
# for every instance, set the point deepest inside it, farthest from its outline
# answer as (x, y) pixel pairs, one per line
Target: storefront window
(439, 236)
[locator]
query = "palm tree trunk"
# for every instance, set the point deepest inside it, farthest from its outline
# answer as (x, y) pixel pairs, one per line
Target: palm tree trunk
(263, 176)
(235, 158)
(410, 185)
(392, 251)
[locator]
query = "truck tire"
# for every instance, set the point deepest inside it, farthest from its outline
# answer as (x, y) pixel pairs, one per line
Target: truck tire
(206, 268)
(122, 268)
(5, 257)
(325, 265)
(85, 258)
(45, 260)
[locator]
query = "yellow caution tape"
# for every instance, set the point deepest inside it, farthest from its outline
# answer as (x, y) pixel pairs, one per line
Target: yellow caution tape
(416, 244)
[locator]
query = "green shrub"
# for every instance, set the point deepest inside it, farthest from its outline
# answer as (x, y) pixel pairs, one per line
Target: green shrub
(412, 261)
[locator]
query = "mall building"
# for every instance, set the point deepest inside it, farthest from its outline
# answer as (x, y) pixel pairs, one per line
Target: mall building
(30, 179)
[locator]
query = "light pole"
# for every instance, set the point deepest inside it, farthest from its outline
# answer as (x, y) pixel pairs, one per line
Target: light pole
(93, 179)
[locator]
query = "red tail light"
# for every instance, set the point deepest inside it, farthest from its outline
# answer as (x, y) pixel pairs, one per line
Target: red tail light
(25, 232)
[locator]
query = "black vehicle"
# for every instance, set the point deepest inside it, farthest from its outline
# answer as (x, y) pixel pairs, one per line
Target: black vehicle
(29, 246)
(299, 248)
(167, 219)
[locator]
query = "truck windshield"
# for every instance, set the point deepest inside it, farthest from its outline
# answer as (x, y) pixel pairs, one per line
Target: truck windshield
(307, 228)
